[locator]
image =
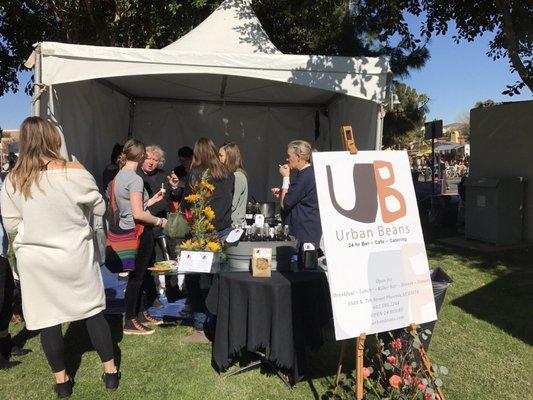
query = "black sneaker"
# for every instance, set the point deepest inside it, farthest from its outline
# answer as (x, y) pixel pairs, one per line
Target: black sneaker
(17, 351)
(146, 319)
(134, 327)
(6, 344)
(111, 380)
(64, 390)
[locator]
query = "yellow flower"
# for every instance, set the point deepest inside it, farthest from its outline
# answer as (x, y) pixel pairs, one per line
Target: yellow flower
(208, 185)
(213, 246)
(209, 213)
(210, 226)
(193, 197)
(186, 245)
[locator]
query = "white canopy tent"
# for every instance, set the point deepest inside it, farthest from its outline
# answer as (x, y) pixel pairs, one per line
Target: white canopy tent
(224, 80)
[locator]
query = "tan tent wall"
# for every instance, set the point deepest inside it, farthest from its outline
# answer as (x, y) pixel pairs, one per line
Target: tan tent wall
(501, 142)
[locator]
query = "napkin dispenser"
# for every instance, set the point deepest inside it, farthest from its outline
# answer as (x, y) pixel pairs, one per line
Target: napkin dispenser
(307, 259)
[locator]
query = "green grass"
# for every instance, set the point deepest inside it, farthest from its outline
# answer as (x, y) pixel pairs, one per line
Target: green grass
(484, 336)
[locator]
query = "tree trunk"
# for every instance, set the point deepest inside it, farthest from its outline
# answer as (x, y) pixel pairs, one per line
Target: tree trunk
(504, 7)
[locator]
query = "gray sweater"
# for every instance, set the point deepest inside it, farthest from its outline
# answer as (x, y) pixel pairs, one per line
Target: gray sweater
(240, 197)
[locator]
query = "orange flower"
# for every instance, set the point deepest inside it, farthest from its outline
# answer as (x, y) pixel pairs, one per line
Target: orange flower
(208, 185)
(193, 198)
(420, 386)
(407, 369)
(186, 245)
(395, 381)
(393, 360)
(366, 372)
(209, 213)
(396, 344)
(213, 246)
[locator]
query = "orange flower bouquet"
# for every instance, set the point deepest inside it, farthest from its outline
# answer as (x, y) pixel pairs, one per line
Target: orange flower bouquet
(200, 216)
(394, 372)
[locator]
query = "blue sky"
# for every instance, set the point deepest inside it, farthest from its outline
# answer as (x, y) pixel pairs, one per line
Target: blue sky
(456, 76)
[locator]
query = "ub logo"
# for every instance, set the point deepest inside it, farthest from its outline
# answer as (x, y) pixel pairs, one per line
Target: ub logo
(371, 189)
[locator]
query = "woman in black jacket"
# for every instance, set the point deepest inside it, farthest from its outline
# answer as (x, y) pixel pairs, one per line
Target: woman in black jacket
(205, 158)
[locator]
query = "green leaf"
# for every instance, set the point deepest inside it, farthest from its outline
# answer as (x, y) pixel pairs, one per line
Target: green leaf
(388, 366)
(438, 382)
(443, 370)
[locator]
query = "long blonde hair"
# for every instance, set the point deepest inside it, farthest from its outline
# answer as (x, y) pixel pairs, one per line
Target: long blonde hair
(39, 140)
(233, 157)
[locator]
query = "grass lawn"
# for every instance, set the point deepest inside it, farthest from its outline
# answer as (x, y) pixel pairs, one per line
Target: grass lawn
(484, 336)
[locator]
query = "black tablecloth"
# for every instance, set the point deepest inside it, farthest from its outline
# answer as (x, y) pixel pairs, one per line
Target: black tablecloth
(284, 314)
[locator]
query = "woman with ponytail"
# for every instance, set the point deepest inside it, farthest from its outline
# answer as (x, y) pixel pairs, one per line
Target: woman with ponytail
(131, 202)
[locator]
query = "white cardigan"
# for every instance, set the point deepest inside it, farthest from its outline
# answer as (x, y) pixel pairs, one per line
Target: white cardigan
(59, 276)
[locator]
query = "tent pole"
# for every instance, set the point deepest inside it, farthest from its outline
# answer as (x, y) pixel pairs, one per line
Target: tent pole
(382, 111)
(37, 80)
(132, 117)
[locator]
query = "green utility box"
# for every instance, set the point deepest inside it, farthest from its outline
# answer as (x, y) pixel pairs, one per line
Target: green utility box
(494, 210)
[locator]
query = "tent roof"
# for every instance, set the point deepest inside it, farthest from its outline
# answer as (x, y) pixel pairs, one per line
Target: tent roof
(229, 43)
(232, 28)
(448, 147)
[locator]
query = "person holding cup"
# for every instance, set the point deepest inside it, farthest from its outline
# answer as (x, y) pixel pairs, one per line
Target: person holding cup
(297, 196)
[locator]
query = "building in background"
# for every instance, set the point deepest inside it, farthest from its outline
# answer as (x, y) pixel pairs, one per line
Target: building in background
(9, 148)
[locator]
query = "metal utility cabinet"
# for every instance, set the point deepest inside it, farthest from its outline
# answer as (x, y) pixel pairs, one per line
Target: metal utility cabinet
(494, 210)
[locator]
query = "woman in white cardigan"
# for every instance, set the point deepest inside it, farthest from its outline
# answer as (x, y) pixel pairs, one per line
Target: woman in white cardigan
(48, 203)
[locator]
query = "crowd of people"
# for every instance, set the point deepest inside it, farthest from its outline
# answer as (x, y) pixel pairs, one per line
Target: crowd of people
(50, 204)
(445, 166)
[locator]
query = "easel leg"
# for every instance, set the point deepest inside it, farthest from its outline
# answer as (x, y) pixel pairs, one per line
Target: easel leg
(427, 364)
(341, 359)
(359, 355)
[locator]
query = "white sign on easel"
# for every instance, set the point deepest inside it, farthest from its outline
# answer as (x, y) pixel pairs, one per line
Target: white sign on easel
(377, 264)
(197, 262)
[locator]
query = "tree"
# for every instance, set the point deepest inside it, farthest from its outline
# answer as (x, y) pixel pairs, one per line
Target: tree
(486, 103)
(464, 129)
(511, 20)
(334, 27)
(404, 122)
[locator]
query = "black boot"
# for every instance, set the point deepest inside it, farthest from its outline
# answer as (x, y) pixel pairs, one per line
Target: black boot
(111, 380)
(64, 390)
(6, 345)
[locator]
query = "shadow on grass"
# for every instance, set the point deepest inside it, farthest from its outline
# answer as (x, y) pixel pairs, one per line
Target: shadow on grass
(23, 336)
(506, 301)
(77, 342)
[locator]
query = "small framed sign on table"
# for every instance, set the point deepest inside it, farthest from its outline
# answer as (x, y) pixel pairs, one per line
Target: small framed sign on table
(198, 262)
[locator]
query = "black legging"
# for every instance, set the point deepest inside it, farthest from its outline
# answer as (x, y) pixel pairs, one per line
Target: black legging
(7, 285)
(54, 345)
(140, 290)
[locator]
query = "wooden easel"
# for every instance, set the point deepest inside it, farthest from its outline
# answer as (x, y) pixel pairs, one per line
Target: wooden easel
(359, 353)
(348, 142)
(348, 139)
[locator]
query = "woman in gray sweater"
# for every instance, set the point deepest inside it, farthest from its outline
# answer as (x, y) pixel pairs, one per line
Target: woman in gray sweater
(230, 155)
